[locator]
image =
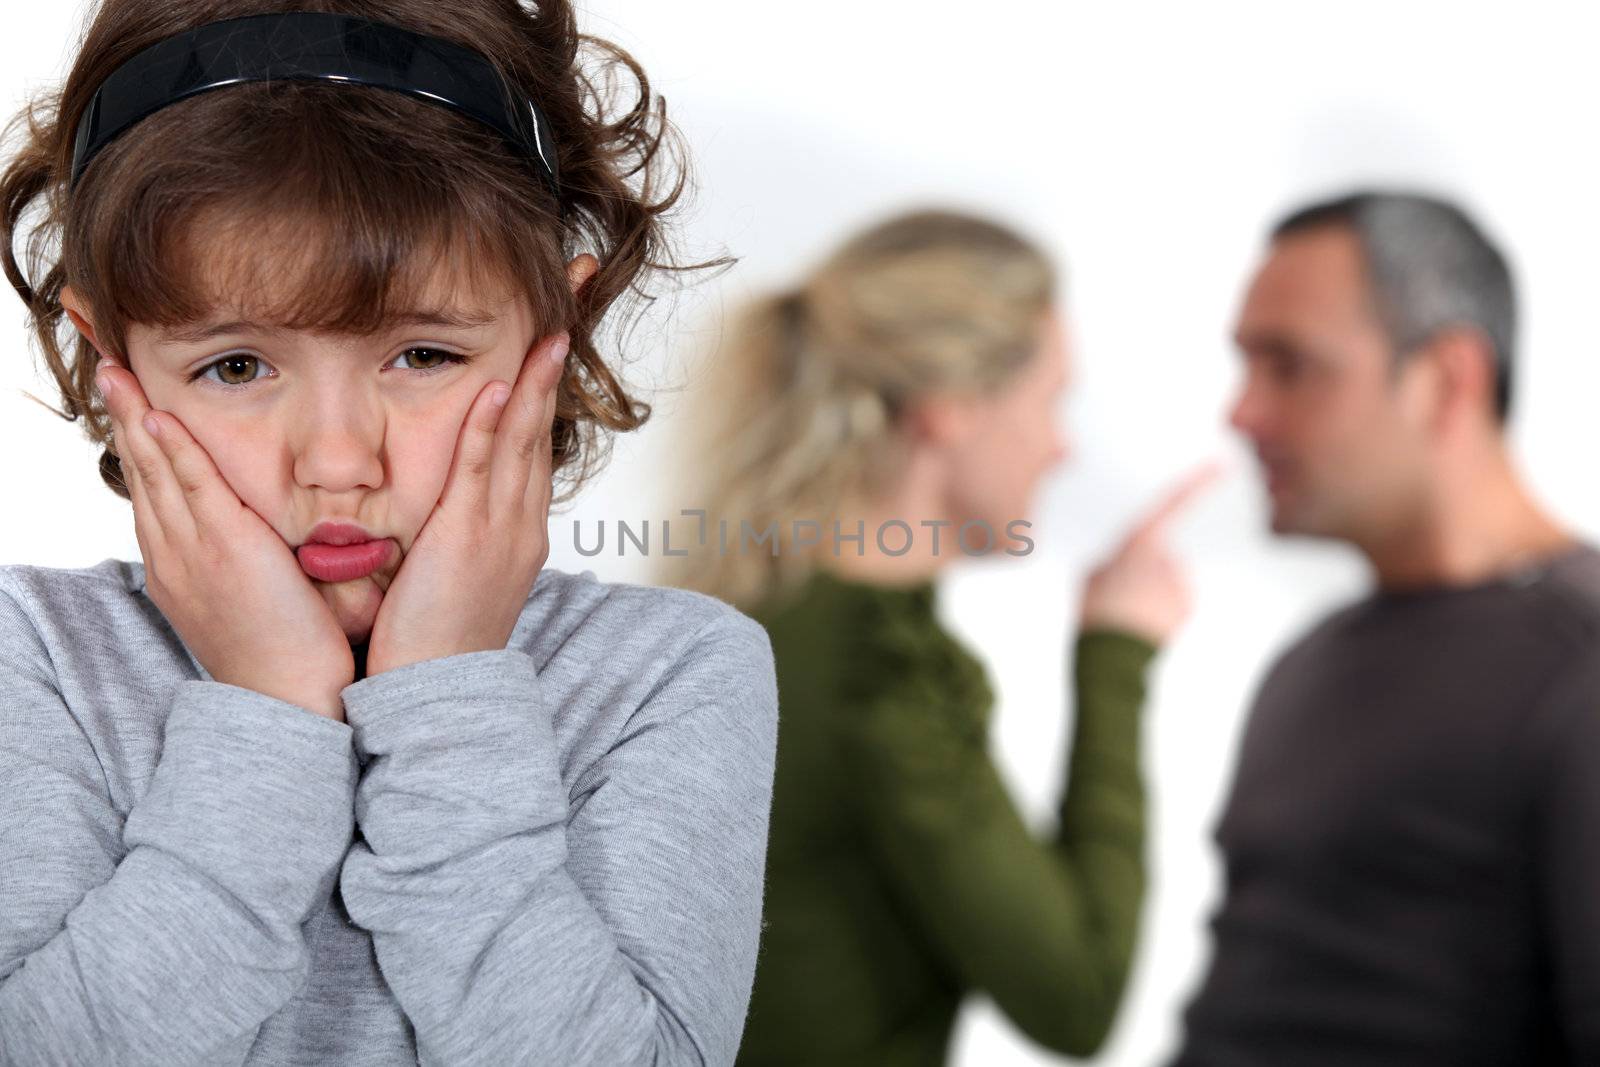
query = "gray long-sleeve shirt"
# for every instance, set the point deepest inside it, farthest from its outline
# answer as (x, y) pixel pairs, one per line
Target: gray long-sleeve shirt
(546, 854)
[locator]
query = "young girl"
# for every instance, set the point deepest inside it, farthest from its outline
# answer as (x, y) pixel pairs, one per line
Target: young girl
(903, 396)
(340, 772)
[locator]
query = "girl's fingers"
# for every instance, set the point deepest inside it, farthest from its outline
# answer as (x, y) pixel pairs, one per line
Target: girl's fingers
(536, 407)
(161, 488)
(481, 447)
(530, 420)
(144, 456)
(147, 525)
(558, 367)
(205, 495)
(130, 477)
(468, 481)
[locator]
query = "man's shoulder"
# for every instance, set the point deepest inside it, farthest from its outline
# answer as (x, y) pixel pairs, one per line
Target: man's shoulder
(1314, 636)
(1568, 589)
(1556, 600)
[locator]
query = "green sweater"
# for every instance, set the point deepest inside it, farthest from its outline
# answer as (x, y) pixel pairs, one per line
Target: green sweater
(900, 875)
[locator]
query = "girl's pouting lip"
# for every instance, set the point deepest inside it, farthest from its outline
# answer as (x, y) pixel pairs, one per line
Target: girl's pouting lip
(343, 552)
(343, 563)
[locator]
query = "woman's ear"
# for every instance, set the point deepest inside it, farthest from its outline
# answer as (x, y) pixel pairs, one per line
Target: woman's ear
(942, 418)
(79, 314)
(580, 270)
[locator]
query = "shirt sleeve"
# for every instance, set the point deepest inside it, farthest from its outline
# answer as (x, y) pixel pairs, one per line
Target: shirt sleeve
(171, 935)
(519, 920)
(1046, 927)
(1564, 782)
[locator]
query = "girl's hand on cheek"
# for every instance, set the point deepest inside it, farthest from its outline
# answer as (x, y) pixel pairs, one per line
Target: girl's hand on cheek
(225, 580)
(463, 584)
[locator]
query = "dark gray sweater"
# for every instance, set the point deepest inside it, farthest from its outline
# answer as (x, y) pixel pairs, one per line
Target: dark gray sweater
(1413, 838)
(546, 854)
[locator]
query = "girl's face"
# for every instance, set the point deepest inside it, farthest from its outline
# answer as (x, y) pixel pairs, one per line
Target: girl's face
(309, 428)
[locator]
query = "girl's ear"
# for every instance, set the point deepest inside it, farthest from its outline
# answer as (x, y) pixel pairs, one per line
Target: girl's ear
(79, 315)
(580, 270)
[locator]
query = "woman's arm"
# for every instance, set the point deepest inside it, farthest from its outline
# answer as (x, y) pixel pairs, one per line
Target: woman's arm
(1045, 927)
(169, 937)
(518, 922)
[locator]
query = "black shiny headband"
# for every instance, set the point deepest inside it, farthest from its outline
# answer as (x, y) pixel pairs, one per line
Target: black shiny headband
(306, 45)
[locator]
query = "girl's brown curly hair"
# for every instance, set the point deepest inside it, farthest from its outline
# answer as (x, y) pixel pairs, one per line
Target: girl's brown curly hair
(368, 187)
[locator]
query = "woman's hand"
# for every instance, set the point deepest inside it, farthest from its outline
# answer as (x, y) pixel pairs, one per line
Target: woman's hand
(464, 582)
(228, 584)
(1141, 589)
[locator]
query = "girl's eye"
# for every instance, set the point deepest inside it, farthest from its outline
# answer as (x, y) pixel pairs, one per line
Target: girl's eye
(234, 371)
(448, 358)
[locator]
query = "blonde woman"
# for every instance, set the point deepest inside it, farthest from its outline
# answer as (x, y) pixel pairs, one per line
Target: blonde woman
(908, 387)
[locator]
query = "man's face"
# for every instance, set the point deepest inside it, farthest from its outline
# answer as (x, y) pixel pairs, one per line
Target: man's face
(307, 427)
(1337, 429)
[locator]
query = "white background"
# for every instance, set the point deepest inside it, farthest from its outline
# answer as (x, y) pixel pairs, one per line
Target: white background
(1149, 146)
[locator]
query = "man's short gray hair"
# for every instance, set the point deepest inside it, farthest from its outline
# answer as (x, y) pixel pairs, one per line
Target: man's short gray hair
(1429, 267)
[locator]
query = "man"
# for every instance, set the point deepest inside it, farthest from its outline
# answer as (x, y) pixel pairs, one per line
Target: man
(1412, 842)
